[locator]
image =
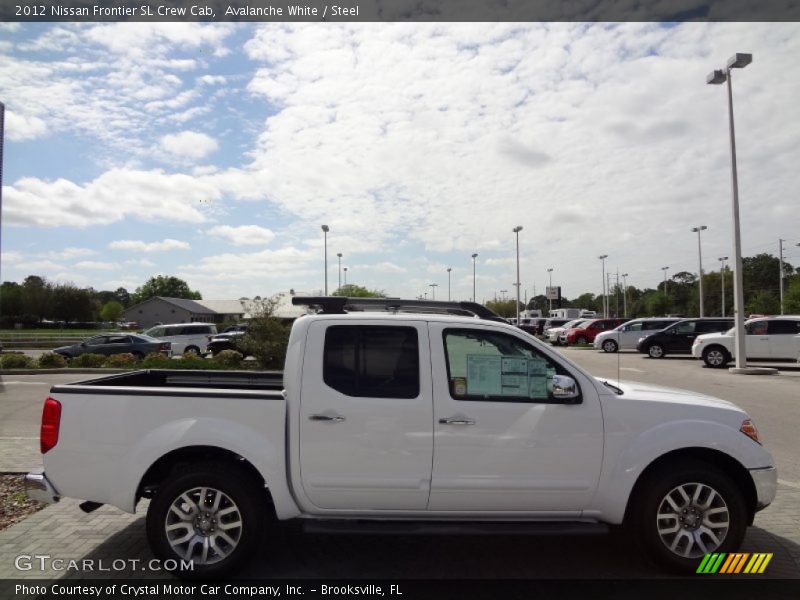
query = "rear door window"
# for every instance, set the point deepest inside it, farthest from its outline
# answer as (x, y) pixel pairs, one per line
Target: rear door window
(783, 327)
(687, 327)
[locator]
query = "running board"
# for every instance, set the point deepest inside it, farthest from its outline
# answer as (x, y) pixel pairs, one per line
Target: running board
(368, 527)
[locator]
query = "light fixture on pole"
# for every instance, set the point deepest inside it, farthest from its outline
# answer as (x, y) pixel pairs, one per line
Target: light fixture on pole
(503, 295)
(325, 230)
(550, 300)
(474, 256)
(433, 290)
(737, 61)
(722, 260)
(339, 254)
(697, 230)
(665, 269)
(625, 295)
(516, 230)
(345, 276)
(603, 258)
(448, 283)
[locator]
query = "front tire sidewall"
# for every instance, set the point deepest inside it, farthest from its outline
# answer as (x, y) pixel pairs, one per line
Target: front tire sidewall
(715, 357)
(645, 507)
(656, 351)
(609, 346)
(239, 486)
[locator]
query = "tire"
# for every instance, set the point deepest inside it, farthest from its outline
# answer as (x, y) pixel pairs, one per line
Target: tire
(218, 541)
(137, 355)
(716, 357)
(609, 346)
(677, 520)
(194, 349)
(655, 351)
(581, 340)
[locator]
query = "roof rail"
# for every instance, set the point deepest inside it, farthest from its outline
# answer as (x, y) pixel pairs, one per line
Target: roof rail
(342, 304)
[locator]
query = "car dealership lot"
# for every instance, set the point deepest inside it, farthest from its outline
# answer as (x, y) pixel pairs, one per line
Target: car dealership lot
(63, 531)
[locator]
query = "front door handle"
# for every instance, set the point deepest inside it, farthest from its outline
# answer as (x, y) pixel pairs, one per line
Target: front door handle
(456, 421)
(335, 418)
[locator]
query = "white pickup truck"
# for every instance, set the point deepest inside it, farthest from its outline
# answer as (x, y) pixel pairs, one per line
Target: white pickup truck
(409, 419)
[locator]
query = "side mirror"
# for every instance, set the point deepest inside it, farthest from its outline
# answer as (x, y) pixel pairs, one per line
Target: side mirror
(565, 389)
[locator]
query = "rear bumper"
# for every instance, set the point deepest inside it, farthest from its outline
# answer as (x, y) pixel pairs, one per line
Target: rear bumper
(39, 488)
(766, 483)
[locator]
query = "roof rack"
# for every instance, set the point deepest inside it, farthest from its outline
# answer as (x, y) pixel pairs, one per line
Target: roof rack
(342, 304)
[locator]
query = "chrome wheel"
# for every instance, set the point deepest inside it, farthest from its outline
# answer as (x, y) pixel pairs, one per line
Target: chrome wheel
(692, 520)
(204, 525)
(609, 346)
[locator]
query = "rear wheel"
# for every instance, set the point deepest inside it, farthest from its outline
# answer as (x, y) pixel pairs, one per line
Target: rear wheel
(655, 351)
(581, 339)
(685, 511)
(609, 346)
(194, 349)
(716, 357)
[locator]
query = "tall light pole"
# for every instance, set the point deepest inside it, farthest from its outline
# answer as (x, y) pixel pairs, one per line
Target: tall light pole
(737, 61)
(625, 294)
(516, 230)
(603, 258)
(474, 256)
(433, 290)
(665, 269)
(339, 254)
(325, 230)
(448, 283)
(780, 274)
(503, 294)
(697, 230)
(550, 300)
(345, 276)
(722, 260)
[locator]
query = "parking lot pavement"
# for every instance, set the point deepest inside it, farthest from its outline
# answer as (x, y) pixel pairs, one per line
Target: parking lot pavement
(63, 531)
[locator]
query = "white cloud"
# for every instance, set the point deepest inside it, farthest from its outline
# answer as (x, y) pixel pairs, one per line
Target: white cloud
(20, 127)
(96, 265)
(189, 144)
(212, 80)
(138, 245)
(69, 253)
(244, 235)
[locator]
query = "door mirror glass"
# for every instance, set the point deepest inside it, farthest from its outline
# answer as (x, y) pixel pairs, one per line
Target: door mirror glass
(565, 388)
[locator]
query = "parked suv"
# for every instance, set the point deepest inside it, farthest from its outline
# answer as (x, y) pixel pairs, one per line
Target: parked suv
(776, 338)
(678, 337)
(533, 326)
(627, 335)
(554, 329)
(185, 337)
(585, 333)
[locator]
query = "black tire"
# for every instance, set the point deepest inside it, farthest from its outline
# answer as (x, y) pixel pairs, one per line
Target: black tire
(194, 349)
(581, 340)
(609, 346)
(245, 522)
(137, 355)
(654, 535)
(655, 351)
(716, 357)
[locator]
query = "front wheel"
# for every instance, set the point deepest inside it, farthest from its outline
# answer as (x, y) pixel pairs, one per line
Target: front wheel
(686, 511)
(655, 351)
(211, 516)
(609, 346)
(581, 340)
(716, 357)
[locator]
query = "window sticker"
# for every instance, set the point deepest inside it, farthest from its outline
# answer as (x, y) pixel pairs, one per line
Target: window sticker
(484, 375)
(459, 386)
(518, 377)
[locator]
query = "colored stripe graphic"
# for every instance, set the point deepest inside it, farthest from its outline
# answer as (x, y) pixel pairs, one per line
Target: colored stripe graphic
(734, 563)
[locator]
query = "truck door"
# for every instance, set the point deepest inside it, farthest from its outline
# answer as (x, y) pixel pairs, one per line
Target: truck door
(366, 410)
(501, 442)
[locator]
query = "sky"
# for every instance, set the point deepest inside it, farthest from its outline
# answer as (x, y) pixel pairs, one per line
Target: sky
(215, 152)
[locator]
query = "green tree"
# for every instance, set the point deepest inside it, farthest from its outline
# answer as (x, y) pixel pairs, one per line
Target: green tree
(71, 303)
(11, 302)
(352, 290)
(122, 296)
(166, 286)
(267, 336)
(791, 297)
(37, 297)
(503, 308)
(111, 311)
(657, 304)
(763, 303)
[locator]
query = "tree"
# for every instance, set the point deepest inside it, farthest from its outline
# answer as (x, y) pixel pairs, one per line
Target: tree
(111, 311)
(763, 303)
(791, 297)
(657, 304)
(352, 290)
(71, 303)
(11, 302)
(36, 297)
(122, 296)
(267, 336)
(503, 308)
(166, 286)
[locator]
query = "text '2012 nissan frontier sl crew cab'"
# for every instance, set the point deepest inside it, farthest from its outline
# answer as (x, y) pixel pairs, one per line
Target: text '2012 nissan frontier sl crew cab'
(392, 412)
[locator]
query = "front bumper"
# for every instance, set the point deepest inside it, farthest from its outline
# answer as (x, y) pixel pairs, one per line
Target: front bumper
(766, 483)
(39, 488)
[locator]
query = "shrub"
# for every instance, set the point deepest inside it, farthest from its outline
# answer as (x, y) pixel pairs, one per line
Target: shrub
(51, 360)
(91, 361)
(156, 359)
(229, 358)
(16, 361)
(120, 360)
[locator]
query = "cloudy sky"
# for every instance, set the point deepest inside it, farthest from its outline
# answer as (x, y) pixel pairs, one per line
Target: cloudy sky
(214, 152)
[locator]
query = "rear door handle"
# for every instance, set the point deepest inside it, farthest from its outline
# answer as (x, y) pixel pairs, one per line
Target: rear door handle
(335, 418)
(456, 421)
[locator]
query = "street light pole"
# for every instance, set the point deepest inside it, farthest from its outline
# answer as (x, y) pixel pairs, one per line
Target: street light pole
(700, 258)
(665, 279)
(433, 290)
(625, 294)
(603, 258)
(325, 230)
(474, 256)
(345, 276)
(448, 283)
(339, 254)
(737, 61)
(516, 230)
(780, 252)
(722, 260)
(550, 300)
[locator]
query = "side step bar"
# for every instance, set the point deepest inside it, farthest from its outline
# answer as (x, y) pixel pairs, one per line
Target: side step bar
(367, 527)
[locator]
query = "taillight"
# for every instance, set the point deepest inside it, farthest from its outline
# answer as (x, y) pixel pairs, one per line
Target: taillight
(51, 421)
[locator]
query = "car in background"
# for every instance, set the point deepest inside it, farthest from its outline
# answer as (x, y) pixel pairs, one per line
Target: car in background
(229, 340)
(185, 337)
(238, 327)
(627, 335)
(769, 338)
(587, 331)
(679, 337)
(116, 343)
(533, 325)
(552, 332)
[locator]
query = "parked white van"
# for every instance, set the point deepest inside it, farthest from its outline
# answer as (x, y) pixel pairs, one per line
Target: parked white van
(627, 335)
(185, 337)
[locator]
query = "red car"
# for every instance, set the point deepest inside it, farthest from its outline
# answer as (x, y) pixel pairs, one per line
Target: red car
(586, 333)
